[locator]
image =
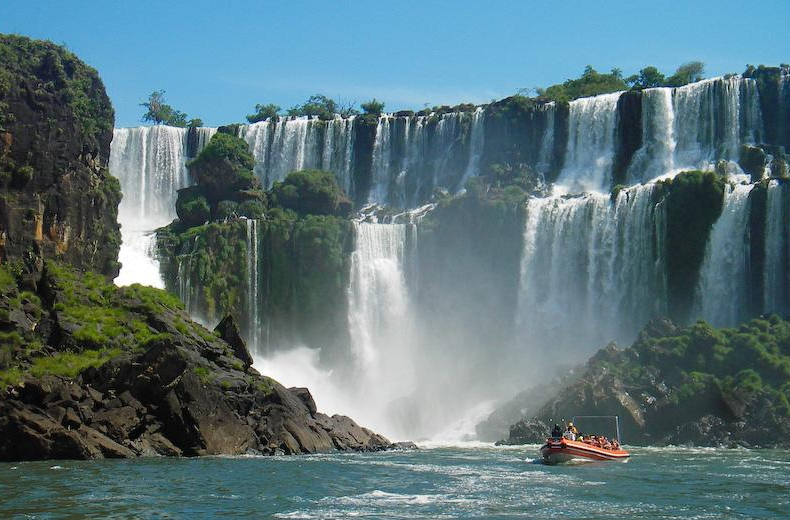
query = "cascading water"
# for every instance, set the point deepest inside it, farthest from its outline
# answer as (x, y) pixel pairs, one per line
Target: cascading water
(657, 155)
(591, 143)
(149, 162)
(413, 155)
(477, 141)
(253, 285)
(382, 369)
(547, 141)
(288, 144)
(694, 126)
(592, 261)
(776, 281)
(722, 295)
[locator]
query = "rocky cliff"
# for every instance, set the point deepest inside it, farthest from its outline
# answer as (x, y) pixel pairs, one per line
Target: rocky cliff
(57, 198)
(697, 385)
(89, 370)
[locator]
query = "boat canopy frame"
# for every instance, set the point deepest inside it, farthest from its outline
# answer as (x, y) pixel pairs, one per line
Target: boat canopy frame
(615, 417)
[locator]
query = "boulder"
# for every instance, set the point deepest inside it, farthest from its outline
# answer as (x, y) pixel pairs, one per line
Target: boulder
(229, 332)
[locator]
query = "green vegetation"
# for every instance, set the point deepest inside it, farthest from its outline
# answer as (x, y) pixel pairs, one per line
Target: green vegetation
(226, 186)
(96, 320)
(303, 241)
(57, 73)
(694, 201)
(752, 360)
(159, 112)
(373, 106)
(311, 192)
(317, 105)
(590, 83)
(264, 112)
(593, 83)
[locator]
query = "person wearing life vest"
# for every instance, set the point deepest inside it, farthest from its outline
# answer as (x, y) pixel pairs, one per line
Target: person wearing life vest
(556, 432)
(570, 432)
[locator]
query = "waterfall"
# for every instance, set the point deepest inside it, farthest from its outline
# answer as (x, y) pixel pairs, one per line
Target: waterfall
(722, 295)
(477, 140)
(413, 155)
(380, 321)
(694, 126)
(776, 280)
(381, 165)
(547, 141)
(149, 162)
(253, 310)
(287, 144)
(656, 157)
(378, 298)
(593, 262)
(591, 139)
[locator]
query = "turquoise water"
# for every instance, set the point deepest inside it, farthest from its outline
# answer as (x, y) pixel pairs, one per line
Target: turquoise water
(434, 482)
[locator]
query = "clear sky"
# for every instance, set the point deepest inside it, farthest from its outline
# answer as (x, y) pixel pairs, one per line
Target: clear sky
(217, 59)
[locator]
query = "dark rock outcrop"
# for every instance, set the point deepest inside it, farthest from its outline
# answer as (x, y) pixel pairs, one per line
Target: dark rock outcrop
(57, 197)
(229, 333)
(680, 386)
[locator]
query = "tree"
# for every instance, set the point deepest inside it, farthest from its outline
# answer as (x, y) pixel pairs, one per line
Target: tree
(264, 112)
(195, 122)
(650, 77)
(156, 112)
(316, 105)
(374, 106)
(591, 83)
(686, 73)
(346, 108)
(160, 112)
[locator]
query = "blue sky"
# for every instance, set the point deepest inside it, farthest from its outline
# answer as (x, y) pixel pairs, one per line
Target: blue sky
(217, 59)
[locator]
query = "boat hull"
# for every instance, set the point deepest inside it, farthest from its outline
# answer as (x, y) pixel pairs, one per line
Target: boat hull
(557, 451)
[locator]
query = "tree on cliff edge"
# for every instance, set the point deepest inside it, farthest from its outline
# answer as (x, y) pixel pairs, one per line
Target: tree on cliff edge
(160, 112)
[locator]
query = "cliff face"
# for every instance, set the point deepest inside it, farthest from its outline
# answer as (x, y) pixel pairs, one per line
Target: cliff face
(57, 197)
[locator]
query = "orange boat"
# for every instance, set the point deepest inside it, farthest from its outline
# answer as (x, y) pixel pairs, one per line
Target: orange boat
(561, 449)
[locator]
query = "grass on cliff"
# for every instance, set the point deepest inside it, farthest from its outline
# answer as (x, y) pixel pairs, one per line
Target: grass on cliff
(97, 321)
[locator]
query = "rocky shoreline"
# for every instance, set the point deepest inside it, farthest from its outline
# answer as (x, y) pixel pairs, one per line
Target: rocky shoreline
(174, 389)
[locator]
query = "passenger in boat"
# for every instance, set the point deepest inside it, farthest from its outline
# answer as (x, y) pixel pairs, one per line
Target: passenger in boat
(556, 432)
(615, 444)
(570, 432)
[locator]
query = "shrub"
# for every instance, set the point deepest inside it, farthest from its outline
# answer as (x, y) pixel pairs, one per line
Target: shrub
(264, 112)
(192, 207)
(311, 192)
(373, 106)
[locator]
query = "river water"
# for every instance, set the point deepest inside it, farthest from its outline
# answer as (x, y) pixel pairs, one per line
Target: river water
(466, 481)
